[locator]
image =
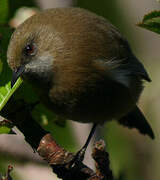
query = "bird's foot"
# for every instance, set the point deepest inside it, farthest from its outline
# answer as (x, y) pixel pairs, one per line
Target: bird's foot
(78, 158)
(75, 164)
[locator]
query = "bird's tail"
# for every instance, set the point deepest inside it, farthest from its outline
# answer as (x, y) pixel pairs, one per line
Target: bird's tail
(135, 119)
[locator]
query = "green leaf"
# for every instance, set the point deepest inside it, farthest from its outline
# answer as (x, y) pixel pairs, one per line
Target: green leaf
(5, 72)
(6, 92)
(5, 127)
(51, 122)
(3, 11)
(4, 130)
(151, 22)
(153, 14)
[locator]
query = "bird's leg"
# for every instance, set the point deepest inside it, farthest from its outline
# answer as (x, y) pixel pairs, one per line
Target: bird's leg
(80, 154)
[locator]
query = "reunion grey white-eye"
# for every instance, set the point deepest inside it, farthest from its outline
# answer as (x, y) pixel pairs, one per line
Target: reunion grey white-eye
(81, 66)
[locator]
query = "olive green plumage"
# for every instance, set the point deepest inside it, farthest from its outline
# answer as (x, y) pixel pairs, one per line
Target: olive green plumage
(80, 65)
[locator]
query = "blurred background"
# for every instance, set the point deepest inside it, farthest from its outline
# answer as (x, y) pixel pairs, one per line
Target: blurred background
(132, 155)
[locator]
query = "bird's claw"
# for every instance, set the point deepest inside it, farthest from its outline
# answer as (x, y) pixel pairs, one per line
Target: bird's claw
(78, 158)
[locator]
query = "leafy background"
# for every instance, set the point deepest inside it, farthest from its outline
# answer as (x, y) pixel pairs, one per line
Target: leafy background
(132, 155)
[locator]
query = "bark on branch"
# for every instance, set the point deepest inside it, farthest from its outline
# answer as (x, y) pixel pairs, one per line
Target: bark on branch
(57, 157)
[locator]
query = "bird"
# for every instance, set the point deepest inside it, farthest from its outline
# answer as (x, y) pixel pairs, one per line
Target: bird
(81, 67)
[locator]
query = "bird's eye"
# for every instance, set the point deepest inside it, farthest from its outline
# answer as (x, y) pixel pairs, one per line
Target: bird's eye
(30, 49)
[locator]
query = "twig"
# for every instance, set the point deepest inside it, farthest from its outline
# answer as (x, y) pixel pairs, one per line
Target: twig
(7, 176)
(57, 157)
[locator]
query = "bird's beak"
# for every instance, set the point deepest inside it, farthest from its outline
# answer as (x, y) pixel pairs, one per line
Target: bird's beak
(16, 74)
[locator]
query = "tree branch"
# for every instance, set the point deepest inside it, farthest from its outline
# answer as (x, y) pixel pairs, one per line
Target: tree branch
(57, 157)
(7, 176)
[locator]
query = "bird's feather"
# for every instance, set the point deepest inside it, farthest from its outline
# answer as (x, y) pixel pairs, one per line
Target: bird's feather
(135, 119)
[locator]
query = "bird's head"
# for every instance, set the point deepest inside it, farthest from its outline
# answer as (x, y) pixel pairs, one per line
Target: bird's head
(31, 51)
